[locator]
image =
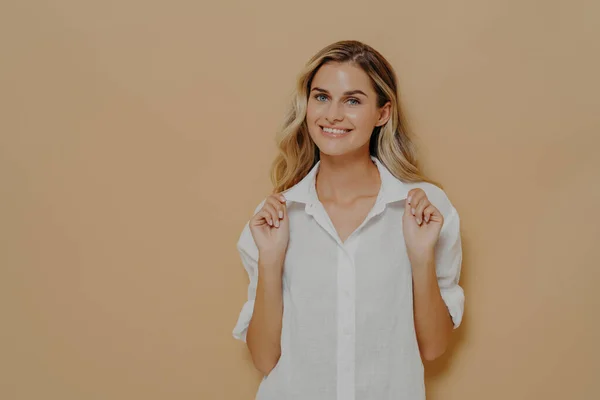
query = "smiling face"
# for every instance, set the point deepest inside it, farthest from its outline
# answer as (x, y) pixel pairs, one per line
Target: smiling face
(342, 109)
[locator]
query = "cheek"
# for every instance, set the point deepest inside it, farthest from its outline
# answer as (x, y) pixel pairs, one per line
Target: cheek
(313, 111)
(361, 119)
(312, 115)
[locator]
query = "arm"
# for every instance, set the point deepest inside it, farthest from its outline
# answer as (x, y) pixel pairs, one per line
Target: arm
(435, 253)
(262, 246)
(433, 322)
(264, 331)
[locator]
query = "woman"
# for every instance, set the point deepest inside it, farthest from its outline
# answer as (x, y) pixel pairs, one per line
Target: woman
(354, 261)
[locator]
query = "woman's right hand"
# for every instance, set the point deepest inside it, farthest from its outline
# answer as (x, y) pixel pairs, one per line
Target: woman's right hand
(270, 226)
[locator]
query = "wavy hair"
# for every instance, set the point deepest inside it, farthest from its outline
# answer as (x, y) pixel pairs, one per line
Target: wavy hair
(390, 143)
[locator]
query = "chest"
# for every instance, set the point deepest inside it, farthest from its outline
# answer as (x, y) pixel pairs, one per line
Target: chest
(371, 266)
(346, 218)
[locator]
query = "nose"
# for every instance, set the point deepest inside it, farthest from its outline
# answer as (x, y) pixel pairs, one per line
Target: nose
(334, 113)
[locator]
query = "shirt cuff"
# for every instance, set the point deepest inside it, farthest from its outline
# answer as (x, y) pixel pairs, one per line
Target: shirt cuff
(455, 301)
(241, 327)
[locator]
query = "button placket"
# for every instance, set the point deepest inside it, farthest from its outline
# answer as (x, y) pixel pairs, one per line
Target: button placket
(346, 324)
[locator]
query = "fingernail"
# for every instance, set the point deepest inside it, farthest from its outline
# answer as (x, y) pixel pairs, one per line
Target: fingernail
(282, 199)
(280, 214)
(412, 211)
(270, 222)
(419, 221)
(427, 218)
(409, 197)
(277, 223)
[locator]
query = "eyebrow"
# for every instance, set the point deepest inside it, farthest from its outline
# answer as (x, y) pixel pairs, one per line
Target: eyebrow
(348, 93)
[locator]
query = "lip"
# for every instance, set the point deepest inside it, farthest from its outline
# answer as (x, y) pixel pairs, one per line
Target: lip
(335, 127)
(334, 135)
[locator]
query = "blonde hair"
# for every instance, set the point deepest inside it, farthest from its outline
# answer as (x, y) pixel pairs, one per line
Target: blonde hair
(390, 143)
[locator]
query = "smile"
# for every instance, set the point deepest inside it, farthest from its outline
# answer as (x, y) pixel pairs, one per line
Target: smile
(335, 132)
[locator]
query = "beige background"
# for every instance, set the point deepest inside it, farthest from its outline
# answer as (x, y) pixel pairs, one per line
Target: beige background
(136, 139)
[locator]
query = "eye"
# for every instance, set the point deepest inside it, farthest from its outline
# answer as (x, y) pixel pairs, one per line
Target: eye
(354, 101)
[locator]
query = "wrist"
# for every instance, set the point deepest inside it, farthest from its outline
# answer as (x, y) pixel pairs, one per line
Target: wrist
(422, 259)
(271, 256)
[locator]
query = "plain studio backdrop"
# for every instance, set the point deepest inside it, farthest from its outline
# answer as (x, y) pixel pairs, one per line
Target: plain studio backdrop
(136, 139)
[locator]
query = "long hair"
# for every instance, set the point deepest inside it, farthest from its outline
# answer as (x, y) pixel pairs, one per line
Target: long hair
(390, 143)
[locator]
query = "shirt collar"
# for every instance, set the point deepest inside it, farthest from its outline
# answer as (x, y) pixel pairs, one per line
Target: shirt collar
(392, 188)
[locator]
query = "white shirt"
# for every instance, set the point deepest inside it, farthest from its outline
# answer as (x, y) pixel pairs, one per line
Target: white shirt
(348, 331)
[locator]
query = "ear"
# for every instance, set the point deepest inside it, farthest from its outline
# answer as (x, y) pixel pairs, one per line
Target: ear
(385, 113)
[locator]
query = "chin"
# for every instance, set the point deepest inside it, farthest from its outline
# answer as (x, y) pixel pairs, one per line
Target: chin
(332, 153)
(335, 151)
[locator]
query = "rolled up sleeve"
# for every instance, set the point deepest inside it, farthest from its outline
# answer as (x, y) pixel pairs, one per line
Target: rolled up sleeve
(249, 255)
(448, 267)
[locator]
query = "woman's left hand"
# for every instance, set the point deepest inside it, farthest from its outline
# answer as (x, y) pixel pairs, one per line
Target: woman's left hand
(422, 223)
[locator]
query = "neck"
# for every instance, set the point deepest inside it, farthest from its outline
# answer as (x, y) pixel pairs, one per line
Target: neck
(345, 178)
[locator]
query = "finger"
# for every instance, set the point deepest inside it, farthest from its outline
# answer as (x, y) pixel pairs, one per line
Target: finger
(423, 204)
(436, 216)
(262, 217)
(410, 196)
(416, 200)
(267, 214)
(408, 215)
(428, 212)
(274, 201)
(279, 197)
(273, 214)
(282, 212)
(415, 195)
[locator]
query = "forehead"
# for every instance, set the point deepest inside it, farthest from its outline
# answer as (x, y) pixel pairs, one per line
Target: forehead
(340, 77)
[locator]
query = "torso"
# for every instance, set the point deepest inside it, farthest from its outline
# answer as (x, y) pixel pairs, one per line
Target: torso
(347, 325)
(348, 321)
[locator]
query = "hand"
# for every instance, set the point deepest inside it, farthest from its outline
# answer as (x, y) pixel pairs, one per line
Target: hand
(422, 223)
(270, 226)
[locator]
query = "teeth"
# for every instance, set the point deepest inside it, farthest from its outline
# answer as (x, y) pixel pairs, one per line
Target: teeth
(338, 131)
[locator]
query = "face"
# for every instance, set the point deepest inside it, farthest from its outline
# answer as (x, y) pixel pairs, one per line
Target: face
(342, 109)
